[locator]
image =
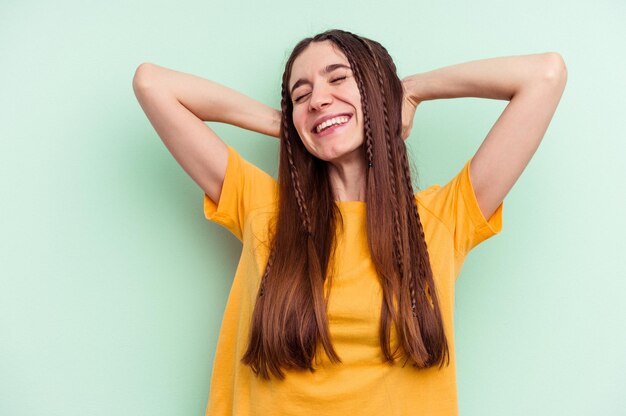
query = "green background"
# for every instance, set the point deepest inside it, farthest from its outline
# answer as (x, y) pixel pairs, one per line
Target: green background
(113, 284)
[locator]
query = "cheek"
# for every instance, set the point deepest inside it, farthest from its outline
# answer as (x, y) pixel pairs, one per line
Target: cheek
(298, 122)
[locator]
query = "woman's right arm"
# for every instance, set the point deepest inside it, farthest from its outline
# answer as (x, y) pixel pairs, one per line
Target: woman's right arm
(177, 104)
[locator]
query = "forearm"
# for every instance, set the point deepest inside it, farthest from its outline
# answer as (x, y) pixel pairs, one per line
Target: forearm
(211, 101)
(497, 78)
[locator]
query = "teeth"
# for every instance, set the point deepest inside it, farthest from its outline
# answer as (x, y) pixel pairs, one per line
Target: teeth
(327, 123)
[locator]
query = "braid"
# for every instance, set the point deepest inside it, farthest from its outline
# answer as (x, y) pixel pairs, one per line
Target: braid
(369, 152)
(423, 268)
(425, 279)
(295, 180)
(424, 265)
(267, 271)
(396, 214)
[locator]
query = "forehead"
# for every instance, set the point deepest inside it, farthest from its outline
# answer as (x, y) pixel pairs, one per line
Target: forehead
(315, 57)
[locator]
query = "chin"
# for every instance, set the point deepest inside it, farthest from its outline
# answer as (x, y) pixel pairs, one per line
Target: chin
(342, 154)
(334, 149)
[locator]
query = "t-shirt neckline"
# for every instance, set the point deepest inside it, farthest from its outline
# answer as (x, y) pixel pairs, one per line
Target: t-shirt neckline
(351, 205)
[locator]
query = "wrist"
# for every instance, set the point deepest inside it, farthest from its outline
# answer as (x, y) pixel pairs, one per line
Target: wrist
(276, 122)
(414, 86)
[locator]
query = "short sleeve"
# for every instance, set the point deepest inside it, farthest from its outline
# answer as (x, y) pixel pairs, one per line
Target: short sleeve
(245, 188)
(456, 205)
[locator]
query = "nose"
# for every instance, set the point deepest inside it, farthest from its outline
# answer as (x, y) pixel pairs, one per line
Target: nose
(320, 97)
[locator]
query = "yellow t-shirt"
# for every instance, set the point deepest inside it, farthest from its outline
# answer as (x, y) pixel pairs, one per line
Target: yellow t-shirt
(362, 384)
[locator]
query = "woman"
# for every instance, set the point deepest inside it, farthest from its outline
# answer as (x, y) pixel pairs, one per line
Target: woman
(346, 274)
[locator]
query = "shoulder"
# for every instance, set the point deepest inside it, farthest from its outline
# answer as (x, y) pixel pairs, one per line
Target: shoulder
(246, 189)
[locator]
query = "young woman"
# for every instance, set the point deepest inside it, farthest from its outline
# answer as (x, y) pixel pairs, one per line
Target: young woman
(346, 273)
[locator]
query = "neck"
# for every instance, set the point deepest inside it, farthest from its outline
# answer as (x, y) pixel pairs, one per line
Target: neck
(347, 178)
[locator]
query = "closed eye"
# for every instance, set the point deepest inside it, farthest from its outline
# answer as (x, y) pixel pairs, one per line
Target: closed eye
(301, 97)
(332, 80)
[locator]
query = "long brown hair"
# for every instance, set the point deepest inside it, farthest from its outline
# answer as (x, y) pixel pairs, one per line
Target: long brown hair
(289, 318)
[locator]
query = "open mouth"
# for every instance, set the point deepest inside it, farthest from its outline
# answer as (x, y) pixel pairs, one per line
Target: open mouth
(332, 125)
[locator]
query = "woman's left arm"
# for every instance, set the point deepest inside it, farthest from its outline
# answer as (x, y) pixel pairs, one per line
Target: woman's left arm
(532, 83)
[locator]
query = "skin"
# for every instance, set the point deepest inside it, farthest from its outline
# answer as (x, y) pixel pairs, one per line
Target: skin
(533, 85)
(324, 94)
(177, 104)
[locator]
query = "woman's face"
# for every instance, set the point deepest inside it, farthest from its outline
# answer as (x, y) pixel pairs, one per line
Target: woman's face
(323, 89)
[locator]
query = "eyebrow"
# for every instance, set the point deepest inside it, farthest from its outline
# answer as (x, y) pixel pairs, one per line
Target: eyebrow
(328, 69)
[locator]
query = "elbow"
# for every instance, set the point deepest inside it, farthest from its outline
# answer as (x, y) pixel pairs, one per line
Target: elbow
(142, 76)
(555, 68)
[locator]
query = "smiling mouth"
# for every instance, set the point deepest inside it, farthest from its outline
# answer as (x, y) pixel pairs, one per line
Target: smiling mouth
(333, 126)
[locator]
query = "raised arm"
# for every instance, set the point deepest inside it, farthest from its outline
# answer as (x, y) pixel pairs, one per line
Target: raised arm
(177, 104)
(533, 84)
